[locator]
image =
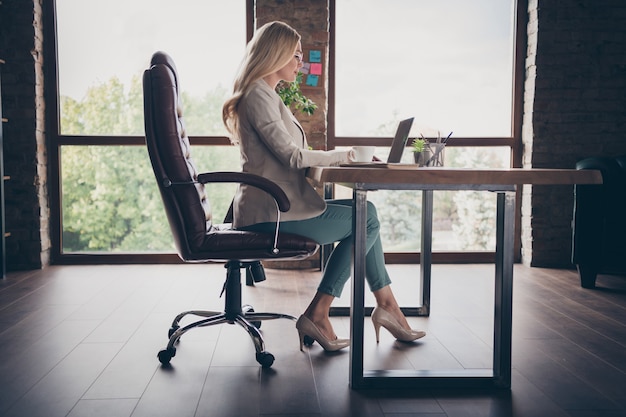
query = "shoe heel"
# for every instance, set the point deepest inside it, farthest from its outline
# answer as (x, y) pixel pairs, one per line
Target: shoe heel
(301, 336)
(377, 330)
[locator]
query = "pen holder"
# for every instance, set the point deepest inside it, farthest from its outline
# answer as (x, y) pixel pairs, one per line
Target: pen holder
(437, 152)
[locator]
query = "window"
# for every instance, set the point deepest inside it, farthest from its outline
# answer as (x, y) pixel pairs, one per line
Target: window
(107, 198)
(448, 63)
(451, 64)
(103, 48)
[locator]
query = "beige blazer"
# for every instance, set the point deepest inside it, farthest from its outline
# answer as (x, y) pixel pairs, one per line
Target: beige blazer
(273, 145)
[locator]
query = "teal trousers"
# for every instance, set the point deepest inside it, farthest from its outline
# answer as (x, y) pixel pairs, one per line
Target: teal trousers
(334, 225)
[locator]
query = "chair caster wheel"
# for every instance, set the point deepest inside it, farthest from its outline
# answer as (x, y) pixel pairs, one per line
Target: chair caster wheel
(266, 359)
(308, 340)
(171, 331)
(166, 355)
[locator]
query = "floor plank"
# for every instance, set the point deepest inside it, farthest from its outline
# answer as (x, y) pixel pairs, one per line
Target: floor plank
(121, 407)
(81, 341)
(56, 394)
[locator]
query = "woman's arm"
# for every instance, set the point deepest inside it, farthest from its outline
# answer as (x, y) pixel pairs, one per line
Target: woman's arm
(262, 107)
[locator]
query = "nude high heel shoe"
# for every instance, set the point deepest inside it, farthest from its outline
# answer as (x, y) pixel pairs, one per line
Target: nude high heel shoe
(307, 328)
(381, 317)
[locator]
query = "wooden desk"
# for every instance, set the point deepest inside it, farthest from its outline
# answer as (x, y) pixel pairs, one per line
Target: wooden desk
(407, 177)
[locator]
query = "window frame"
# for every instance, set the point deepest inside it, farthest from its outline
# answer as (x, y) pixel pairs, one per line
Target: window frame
(513, 142)
(55, 140)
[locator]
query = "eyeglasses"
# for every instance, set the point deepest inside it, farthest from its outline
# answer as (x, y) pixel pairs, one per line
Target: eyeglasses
(299, 57)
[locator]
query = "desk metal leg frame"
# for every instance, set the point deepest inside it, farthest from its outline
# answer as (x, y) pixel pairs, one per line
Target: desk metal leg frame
(423, 309)
(500, 375)
(426, 251)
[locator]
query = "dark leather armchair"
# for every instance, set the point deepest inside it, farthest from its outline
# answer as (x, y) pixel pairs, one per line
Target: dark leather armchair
(599, 224)
(197, 237)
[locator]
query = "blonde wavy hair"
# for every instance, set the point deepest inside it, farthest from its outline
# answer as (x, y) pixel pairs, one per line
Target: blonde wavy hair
(270, 49)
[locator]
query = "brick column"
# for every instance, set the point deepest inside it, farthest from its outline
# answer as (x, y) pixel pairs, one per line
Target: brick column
(575, 107)
(27, 205)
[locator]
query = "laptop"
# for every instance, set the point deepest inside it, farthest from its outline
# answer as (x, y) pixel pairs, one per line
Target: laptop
(399, 141)
(397, 146)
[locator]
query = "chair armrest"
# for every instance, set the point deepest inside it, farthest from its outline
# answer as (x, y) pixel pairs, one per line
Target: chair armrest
(254, 180)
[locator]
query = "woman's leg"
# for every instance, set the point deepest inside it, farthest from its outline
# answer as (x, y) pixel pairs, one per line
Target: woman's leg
(375, 269)
(335, 225)
(338, 267)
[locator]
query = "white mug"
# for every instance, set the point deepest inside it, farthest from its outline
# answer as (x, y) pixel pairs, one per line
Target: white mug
(363, 153)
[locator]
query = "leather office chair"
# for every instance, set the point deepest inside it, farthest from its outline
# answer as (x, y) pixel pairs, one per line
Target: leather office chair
(197, 237)
(599, 223)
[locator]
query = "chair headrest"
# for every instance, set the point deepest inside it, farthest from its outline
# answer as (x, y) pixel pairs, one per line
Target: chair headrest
(162, 58)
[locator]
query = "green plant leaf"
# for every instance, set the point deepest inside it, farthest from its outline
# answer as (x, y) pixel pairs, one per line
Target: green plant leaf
(292, 96)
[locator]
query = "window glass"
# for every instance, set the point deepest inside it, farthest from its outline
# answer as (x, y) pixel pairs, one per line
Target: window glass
(111, 203)
(104, 47)
(446, 62)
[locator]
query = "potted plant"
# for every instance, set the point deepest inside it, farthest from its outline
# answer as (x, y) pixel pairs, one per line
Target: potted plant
(419, 147)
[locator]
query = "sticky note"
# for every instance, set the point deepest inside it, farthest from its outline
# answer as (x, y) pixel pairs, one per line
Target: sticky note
(316, 69)
(315, 56)
(312, 80)
(306, 68)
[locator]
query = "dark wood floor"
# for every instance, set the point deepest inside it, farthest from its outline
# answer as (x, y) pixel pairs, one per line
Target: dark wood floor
(81, 341)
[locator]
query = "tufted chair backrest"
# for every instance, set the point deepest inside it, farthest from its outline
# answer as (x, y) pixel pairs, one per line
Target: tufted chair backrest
(185, 200)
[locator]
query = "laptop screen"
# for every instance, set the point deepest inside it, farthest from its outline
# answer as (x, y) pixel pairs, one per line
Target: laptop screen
(399, 141)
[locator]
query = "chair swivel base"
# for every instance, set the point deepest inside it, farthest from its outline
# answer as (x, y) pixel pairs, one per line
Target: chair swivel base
(246, 318)
(233, 313)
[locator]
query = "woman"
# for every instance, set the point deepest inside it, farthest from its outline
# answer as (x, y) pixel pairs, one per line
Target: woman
(273, 145)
